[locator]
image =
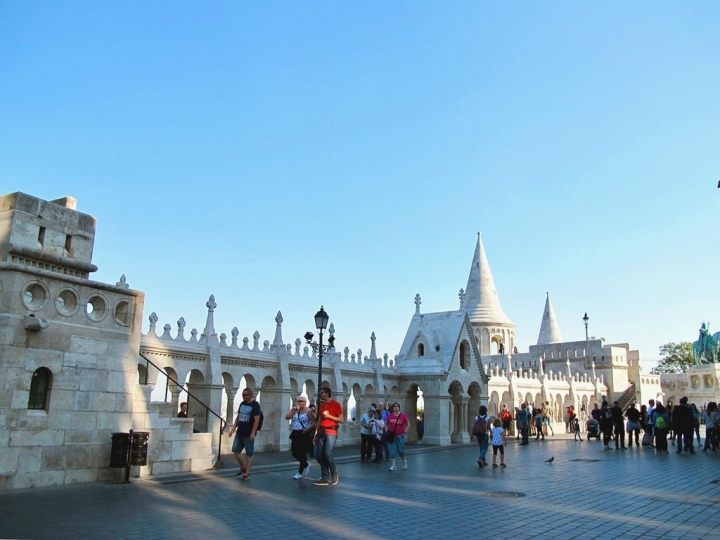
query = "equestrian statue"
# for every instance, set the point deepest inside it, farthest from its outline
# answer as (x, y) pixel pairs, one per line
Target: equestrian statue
(706, 347)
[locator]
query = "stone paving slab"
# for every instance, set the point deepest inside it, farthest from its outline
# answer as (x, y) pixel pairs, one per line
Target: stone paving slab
(624, 494)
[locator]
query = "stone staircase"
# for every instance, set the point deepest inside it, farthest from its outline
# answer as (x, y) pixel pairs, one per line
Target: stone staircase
(627, 397)
(172, 445)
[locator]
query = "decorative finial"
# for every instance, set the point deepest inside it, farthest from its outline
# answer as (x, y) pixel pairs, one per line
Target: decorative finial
(279, 318)
(122, 283)
(417, 303)
(461, 296)
(211, 305)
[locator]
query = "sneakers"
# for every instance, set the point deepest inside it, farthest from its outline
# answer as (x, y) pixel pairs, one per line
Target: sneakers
(503, 465)
(241, 472)
(393, 468)
(405, 466)
(306, 471)
(494, 466)
(297, 476)
(246, 476)
(480, 463)
(322, 482)
(335, 479)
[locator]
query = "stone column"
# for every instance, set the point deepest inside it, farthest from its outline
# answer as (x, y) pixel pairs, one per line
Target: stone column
(175, 391)
(230, 412)
(209, 395)
(437, 420)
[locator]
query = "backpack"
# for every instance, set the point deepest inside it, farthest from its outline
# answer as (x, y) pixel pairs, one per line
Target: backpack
(660, 422)
(480, 427)
(505, 416)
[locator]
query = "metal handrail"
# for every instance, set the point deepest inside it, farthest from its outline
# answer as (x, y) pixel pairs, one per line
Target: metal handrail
(208, 410)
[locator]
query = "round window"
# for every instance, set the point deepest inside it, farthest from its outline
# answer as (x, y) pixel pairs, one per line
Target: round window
(34, 296)
(67, 302)
(96, 308)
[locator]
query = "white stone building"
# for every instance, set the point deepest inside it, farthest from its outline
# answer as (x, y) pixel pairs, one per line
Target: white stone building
(75, 366)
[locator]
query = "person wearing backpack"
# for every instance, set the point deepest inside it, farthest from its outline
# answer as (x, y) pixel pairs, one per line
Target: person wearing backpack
(246, 426)
(661, 422)
(480, 432)
(506, 418)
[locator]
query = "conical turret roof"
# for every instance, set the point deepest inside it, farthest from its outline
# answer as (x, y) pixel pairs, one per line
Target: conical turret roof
(549, 329)
(481, 300)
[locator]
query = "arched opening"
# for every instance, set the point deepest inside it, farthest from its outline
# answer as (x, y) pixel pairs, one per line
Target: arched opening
(415, 413)
(40, 386)
(421, 349)
(464, 355)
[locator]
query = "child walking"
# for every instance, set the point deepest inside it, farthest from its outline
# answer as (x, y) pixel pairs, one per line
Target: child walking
(576, 426)
(498, 442)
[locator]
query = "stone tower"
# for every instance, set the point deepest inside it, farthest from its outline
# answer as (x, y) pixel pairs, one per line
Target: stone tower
(549, 329)
(490, 323)
(68, 347)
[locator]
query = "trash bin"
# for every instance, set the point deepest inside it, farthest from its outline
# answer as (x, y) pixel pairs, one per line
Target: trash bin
(138, 454)
(119, 449)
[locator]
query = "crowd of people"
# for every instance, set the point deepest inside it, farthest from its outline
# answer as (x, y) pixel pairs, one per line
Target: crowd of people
(382, 431)
(658, 424)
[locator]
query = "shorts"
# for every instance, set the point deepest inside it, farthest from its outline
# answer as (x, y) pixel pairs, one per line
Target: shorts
(500, 448)
(506, 424)
(243, 442)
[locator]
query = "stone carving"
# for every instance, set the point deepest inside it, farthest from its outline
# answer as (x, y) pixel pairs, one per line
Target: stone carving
(461, 296)
(256, 340)
(234, 333)
(122, 283)
(153, 318)
(417, 304)
(707, 346)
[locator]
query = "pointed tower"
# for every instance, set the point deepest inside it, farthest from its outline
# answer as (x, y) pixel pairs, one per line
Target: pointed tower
(549, 329)
(490, 323)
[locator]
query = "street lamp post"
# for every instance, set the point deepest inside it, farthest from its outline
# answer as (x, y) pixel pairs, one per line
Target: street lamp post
(321, 322)
(585, 320)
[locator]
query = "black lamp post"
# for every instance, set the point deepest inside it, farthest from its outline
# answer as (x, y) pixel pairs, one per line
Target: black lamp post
(585, 320)
(321, 322)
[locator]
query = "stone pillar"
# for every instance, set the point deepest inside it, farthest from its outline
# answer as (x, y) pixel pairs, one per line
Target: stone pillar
(275, 434)
(460, 432)
(437, 420)
(175, 391)
(230, 412)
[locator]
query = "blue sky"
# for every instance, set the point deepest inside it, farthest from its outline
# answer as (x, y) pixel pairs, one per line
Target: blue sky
(284, 155)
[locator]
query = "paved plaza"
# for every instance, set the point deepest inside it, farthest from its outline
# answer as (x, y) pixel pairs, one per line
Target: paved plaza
(585, 493)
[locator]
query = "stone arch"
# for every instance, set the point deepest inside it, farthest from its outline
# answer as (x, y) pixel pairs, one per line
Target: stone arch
(495, 342)
(268, 383)
(458, 411)
(494, 405)
(410, 409)
(40, 388)
(369, 389)
(142, 373)
(474, 401)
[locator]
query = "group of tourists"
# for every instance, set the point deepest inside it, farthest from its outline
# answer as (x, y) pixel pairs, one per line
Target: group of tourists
(314, 434)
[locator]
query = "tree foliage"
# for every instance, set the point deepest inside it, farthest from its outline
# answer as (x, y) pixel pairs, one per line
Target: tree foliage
(675, 357)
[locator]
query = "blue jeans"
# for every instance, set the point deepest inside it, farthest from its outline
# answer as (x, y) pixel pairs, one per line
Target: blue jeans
(483, 444)
(325, 450)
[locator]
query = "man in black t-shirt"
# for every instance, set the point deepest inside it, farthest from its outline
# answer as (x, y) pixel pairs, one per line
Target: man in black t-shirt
(246, 425)
(633, 425)
(617, 419)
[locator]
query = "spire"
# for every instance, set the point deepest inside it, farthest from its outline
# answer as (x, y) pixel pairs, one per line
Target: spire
(481, 300)
(549, 329)
(209, 331)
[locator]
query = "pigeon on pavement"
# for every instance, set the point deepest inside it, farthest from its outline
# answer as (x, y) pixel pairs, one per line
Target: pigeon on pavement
(550, 460)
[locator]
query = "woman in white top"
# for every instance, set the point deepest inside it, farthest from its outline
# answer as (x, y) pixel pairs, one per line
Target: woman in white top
(303, 428)
(377, 428)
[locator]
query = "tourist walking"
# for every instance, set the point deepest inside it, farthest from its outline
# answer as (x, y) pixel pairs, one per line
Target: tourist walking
(710, 427)
(606, 425)
(683, 424)
(395, 428)
(650, 420)
(303, 426)
(539, 425)
(245, 429)
(633, 425)
(498, 443)
(661, 426)
(576, 429)
(522, 417)
(506, 418)
(547, 420)
(330, 416)
(618, 426)
(367, 441)
(480, 432)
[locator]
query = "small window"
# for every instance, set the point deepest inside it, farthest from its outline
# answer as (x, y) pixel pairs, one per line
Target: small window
(421, 350)
(40, 389)
(41, 236)
(68, 244)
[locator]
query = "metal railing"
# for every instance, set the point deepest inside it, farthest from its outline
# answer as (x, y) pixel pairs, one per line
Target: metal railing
(208, 410)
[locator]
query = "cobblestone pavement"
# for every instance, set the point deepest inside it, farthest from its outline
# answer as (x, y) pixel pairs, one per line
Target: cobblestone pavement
(585, 493)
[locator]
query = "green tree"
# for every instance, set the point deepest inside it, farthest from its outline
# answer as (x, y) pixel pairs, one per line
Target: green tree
(675, 358)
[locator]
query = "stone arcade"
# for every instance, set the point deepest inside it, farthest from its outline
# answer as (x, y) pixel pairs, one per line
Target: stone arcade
(73, 368)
